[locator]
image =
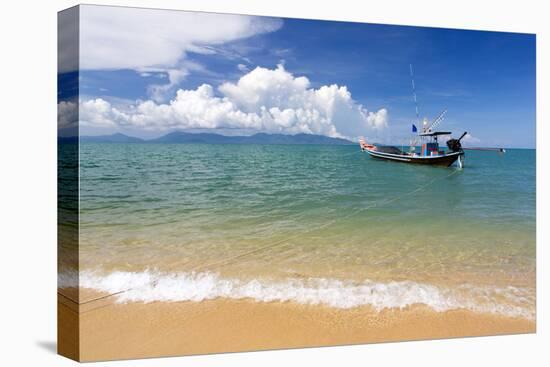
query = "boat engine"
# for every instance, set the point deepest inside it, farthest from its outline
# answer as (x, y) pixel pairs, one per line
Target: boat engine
(454, 144)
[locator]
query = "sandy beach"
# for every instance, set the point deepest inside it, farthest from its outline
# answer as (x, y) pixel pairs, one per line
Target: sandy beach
(110, 330)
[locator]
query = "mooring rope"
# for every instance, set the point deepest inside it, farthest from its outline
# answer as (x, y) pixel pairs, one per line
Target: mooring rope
(230, 260)
(322, 226)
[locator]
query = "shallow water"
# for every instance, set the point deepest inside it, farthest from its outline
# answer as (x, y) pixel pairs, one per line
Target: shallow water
(294, 219)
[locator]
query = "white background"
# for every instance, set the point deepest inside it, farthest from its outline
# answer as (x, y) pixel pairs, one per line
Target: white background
(28, 182)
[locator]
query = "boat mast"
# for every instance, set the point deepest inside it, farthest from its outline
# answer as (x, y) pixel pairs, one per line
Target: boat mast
(414, 95)
(413, 141)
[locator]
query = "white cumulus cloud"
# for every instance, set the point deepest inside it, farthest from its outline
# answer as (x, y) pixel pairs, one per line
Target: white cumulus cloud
(268, 100)
(67, 115)
(100, 113)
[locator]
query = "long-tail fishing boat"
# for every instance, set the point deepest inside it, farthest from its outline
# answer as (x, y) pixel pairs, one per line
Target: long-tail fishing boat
(430, 152)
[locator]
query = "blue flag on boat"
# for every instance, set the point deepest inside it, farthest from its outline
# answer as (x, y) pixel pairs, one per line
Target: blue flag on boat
(414, 128)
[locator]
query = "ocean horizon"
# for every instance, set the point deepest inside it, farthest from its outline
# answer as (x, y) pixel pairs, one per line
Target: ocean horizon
(187, 137)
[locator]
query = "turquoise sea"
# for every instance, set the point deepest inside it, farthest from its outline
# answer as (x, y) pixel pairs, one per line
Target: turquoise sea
(314, 224)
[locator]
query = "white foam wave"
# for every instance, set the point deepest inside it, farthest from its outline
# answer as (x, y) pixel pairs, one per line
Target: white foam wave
(67, 279)
(150, 286)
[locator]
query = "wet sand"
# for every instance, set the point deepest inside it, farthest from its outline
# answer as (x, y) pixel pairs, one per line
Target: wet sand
(108, 330)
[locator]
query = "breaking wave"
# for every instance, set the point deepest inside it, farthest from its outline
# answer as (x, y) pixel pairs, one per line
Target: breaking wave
(151, 286)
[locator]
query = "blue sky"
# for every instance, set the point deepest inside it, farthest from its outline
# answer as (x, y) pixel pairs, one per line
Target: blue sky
(486, 80)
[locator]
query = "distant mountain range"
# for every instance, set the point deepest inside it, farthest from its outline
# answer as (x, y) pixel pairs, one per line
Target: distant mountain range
(210, 138)
(114, 138)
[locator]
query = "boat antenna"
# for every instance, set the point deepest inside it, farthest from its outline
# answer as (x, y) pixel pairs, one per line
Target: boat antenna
(414, 94)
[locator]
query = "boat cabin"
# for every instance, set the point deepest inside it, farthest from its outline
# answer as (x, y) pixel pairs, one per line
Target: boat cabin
(430, 145)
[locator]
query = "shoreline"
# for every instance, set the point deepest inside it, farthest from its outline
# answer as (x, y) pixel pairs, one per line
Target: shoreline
(110, 330)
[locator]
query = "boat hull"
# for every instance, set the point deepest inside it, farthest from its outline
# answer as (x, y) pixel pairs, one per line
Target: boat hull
(441, 160)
